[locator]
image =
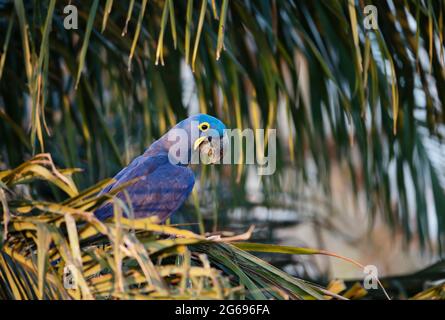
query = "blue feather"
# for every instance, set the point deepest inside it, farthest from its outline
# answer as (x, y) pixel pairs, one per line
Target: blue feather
(162, 186)
(161, 189)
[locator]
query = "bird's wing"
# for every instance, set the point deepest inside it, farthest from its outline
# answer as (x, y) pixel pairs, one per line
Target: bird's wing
(161, 189)
(139, 166)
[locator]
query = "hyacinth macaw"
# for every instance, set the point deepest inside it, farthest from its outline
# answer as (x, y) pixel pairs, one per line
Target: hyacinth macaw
(162, 186)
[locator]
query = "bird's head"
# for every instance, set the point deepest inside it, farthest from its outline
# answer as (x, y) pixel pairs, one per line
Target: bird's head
(199, 133)
(207, 127)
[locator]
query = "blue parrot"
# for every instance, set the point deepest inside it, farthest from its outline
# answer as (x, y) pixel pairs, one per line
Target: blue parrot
(162, 185)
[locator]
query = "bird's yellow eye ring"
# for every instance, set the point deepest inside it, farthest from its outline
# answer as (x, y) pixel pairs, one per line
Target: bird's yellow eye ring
(204, 126)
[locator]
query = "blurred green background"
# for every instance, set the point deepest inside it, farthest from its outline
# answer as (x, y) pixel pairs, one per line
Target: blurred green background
(359, 113)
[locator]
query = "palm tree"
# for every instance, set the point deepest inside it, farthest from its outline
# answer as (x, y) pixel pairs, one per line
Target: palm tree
(341, 94)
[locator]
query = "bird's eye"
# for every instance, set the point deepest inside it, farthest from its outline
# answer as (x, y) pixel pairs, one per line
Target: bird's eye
(204, 126)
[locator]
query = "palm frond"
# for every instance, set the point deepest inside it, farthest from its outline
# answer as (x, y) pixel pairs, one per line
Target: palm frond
(121, 259)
